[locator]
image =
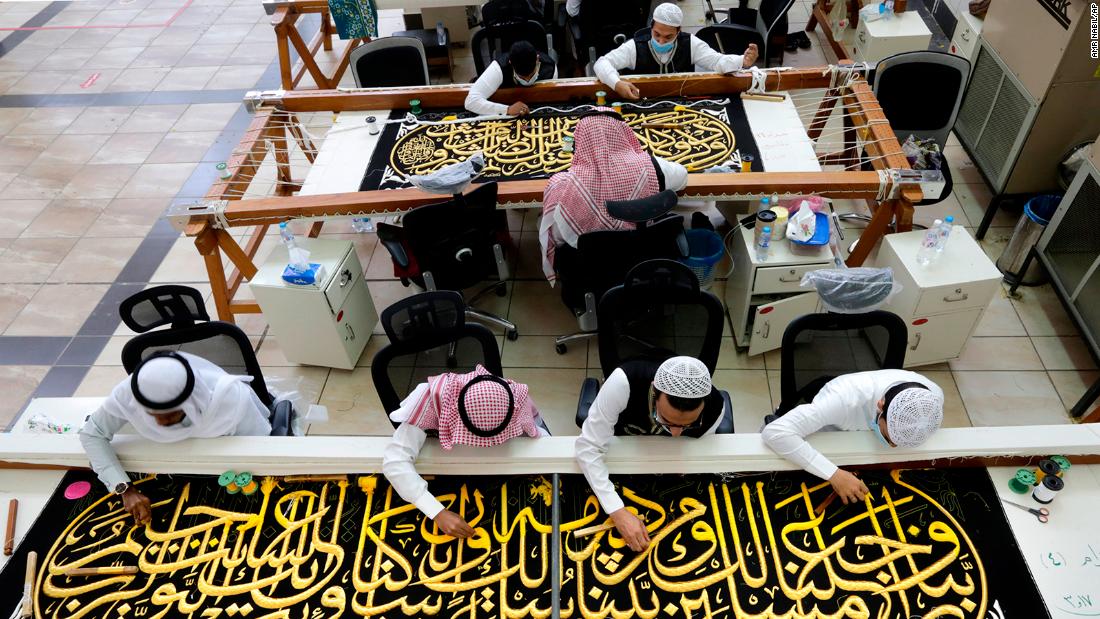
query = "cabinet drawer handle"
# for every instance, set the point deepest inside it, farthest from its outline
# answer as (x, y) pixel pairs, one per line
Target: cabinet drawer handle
(351, 332)
(789, 280)
(961, 297)
(767, 330)
(345, 278)
(966, 35)
(915, 344)
(863, 37)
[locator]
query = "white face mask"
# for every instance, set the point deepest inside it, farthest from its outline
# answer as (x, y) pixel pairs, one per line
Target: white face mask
(534, 76)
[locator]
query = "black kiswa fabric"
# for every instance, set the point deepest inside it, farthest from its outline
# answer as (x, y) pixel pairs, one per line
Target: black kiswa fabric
(698, 137)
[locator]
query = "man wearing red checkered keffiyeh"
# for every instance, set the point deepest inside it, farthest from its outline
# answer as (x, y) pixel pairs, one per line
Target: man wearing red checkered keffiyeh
(476, 409)
(608, 164)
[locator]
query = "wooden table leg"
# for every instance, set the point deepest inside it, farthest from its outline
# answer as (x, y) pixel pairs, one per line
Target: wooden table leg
(880, 221)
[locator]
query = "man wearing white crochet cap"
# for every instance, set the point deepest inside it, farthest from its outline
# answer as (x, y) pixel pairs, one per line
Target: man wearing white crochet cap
(643, 397)
(902, 409)
(665, 49)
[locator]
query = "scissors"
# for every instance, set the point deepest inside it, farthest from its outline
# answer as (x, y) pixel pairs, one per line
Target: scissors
(1042, 514)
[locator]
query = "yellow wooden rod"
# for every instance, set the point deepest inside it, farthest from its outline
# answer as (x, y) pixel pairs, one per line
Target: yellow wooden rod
(596, 528)
(120, 570)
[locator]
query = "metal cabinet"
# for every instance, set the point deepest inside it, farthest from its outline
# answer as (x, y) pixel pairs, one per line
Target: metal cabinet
(327, 324)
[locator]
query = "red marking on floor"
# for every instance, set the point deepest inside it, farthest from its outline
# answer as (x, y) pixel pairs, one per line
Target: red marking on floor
(171, 19)
(91, 80)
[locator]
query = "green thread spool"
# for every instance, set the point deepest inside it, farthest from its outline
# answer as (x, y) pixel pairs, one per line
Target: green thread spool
(1063, 464)
(226, 478)
(1022, 482)
(415, 105)
(223, 171)
(247, 484)
(567, 144)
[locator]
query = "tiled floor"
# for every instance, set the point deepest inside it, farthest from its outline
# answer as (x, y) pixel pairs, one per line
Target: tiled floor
(112, 129)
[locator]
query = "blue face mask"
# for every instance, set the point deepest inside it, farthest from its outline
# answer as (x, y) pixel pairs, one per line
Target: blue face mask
(878, 430)
(662, 48)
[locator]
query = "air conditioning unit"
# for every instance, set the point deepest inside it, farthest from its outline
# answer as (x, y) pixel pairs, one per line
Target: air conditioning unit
(1032, 93)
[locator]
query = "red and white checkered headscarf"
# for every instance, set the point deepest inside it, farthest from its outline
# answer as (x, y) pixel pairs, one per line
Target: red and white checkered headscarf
(608, 164)
(486, 406)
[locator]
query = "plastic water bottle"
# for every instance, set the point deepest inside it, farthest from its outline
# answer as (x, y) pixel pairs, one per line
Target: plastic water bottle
(763, 244)
(287, 236)
(928, 246)
(362, 225)
(944, 232)
(440, 34)
(765, 204)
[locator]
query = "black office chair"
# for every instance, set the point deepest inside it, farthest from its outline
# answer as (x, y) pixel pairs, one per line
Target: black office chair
(191, 330)
(419, 328)
(819, 347)
(454, 245)
(731, 38)
(602, 259)
(658, 312)
(602, 26)
(389, 61)
(769, 21)
(495, 39)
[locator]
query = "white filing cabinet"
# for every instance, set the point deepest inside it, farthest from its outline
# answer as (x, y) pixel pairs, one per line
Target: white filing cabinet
(903, 32)
(965, 40)
(328, 324)
(762, 298)
(940, 303)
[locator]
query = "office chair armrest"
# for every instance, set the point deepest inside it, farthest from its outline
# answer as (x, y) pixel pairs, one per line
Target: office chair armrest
(392, 239)
(503, 272)
(682, 245)
(725, 426)
(550, 51)
(282, 416)
(589, 388)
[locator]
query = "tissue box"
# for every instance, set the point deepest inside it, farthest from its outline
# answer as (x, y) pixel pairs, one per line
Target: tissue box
(308, 277)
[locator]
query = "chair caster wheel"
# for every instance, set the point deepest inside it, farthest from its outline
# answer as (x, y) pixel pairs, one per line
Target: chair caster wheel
(501, 290)
(512, 335)
(560, 349)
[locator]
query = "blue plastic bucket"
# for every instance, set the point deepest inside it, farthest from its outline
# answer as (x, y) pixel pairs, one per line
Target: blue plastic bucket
(1041, 208)
(705, 251)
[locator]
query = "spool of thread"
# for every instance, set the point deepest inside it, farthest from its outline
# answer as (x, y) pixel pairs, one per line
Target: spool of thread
(372, 126)
(601, 97)
(1047, 467)
(228, 480)
(1063, 464)
(1022, 482)
(247, 484)
(1048, 489)
(746, 163)
(764, 219)
(414, 105)
(618, 107)
(223, 171)
(567, 144)
(779, 228)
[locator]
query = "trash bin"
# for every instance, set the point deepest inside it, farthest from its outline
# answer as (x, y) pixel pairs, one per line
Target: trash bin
(1037, 214)
(705, 249)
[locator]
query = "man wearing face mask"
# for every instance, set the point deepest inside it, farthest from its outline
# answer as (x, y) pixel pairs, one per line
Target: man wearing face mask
(522, 66)
(665, 49)
(902, 409)
(643, 397)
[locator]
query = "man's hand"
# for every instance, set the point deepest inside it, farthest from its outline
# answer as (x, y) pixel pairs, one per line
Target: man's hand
(848, 487)
(627, 90)
(631, 528)
(452, 524)
(138, 505)
(519, 108)
(751, 54)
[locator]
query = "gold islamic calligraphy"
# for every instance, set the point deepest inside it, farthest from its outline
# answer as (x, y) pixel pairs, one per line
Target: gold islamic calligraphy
(697, 139)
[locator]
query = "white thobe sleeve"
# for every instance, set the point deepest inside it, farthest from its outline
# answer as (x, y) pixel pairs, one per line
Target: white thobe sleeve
(787, 435)
(397, 466)
(573, 7)
(676, 175)
(707, 58)
(477, 101)
(96, 437)
(607, 67)
(596, 433)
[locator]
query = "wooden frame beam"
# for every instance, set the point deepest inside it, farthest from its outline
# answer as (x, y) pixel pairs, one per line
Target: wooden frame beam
(284, 20)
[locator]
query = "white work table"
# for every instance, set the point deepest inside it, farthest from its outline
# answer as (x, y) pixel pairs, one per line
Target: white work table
(346, 151)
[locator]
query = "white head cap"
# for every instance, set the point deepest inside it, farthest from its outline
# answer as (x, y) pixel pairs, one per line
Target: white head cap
(913, 416)
(684, 377)
(162, 379)
(668, 14)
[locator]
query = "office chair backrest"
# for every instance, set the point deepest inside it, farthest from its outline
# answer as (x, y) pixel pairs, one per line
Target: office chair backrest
(454, 239)
(508, 11)
(223, 344)
(602, 22)
(659, 309)
(495, 39)
(940, 75)
(771, 12)
(420, 329)
(389, 61)
(730, 38)
(820, 347)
